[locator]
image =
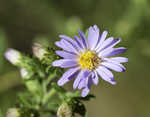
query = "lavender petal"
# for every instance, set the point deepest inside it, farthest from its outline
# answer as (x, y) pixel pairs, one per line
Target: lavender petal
(120, 59)
(83, 38)
(66, 46)
(101, 39)
(95, 78)
(82, 83)
(114, 66)
(81, 75)
(85, 92)
(105, 77)
(70, 47)
(117, 51)
(67, 76)
(105, 44)
(70, 40)
(66, 55)
(79, 42)
(109, 43)
(107, 71)
(93, 36)
(111, 51)
(65, 63)
(105, 52)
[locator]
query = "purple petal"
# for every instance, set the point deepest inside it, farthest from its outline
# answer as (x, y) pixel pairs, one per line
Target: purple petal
(105, 44)
(93, 36)
(120, 59)
(83, 74)
(105, 52)
(101, 39)
(108, 72)
(66, 38)
(95, 27)
(83, 83)
(66, 46)
(85, 92)
(113, 43)
(114, 66)
(111, 51)
(109, 43)
(67, 76)
(95, 78)
(66, 55)
(65, 63)
(117, 51)
(79, 42)
(61, 44)
(105, 77)
(70, 40)
(83, 38)
(70, 46)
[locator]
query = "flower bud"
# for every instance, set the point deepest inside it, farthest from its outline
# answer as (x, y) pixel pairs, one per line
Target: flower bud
(38, 51)
(13, 112)
(64, 110)
(24, 73)
(13, 56)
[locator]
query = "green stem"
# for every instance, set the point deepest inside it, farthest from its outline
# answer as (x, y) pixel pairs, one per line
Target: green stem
(50, 78)
(46, 82)
(48, 95)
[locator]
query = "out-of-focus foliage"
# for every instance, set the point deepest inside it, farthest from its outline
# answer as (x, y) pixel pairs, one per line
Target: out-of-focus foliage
(26, 21)
(3, 46)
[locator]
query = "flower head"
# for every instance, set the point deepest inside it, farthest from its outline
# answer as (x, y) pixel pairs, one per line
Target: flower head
(12, 56)
(88, 59)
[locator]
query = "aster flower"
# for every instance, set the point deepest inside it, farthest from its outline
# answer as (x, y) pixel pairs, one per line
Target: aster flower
(88, 59)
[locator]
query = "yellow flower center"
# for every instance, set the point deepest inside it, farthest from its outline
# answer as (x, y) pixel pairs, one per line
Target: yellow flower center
(89, 60)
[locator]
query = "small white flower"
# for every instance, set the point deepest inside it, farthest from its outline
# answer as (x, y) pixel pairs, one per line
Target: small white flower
(24, 73)
(12, 56)
(38, 51)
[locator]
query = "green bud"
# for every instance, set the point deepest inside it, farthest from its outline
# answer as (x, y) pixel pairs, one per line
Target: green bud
(49, 57)
(64, 110)
(25, 74)
(38, 51)
(13, 56)
(13, 112)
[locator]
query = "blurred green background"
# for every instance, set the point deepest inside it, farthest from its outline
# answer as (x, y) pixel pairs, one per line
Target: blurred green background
(24, 22)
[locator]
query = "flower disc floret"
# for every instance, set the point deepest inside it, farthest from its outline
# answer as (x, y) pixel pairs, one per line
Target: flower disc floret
(89, 60)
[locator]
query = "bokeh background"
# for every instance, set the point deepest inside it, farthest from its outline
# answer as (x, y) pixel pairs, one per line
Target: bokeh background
(24, 22)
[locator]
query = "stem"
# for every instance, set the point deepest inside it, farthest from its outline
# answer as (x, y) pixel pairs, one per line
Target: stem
(50, 78)
(46, 82)
(48, 95)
